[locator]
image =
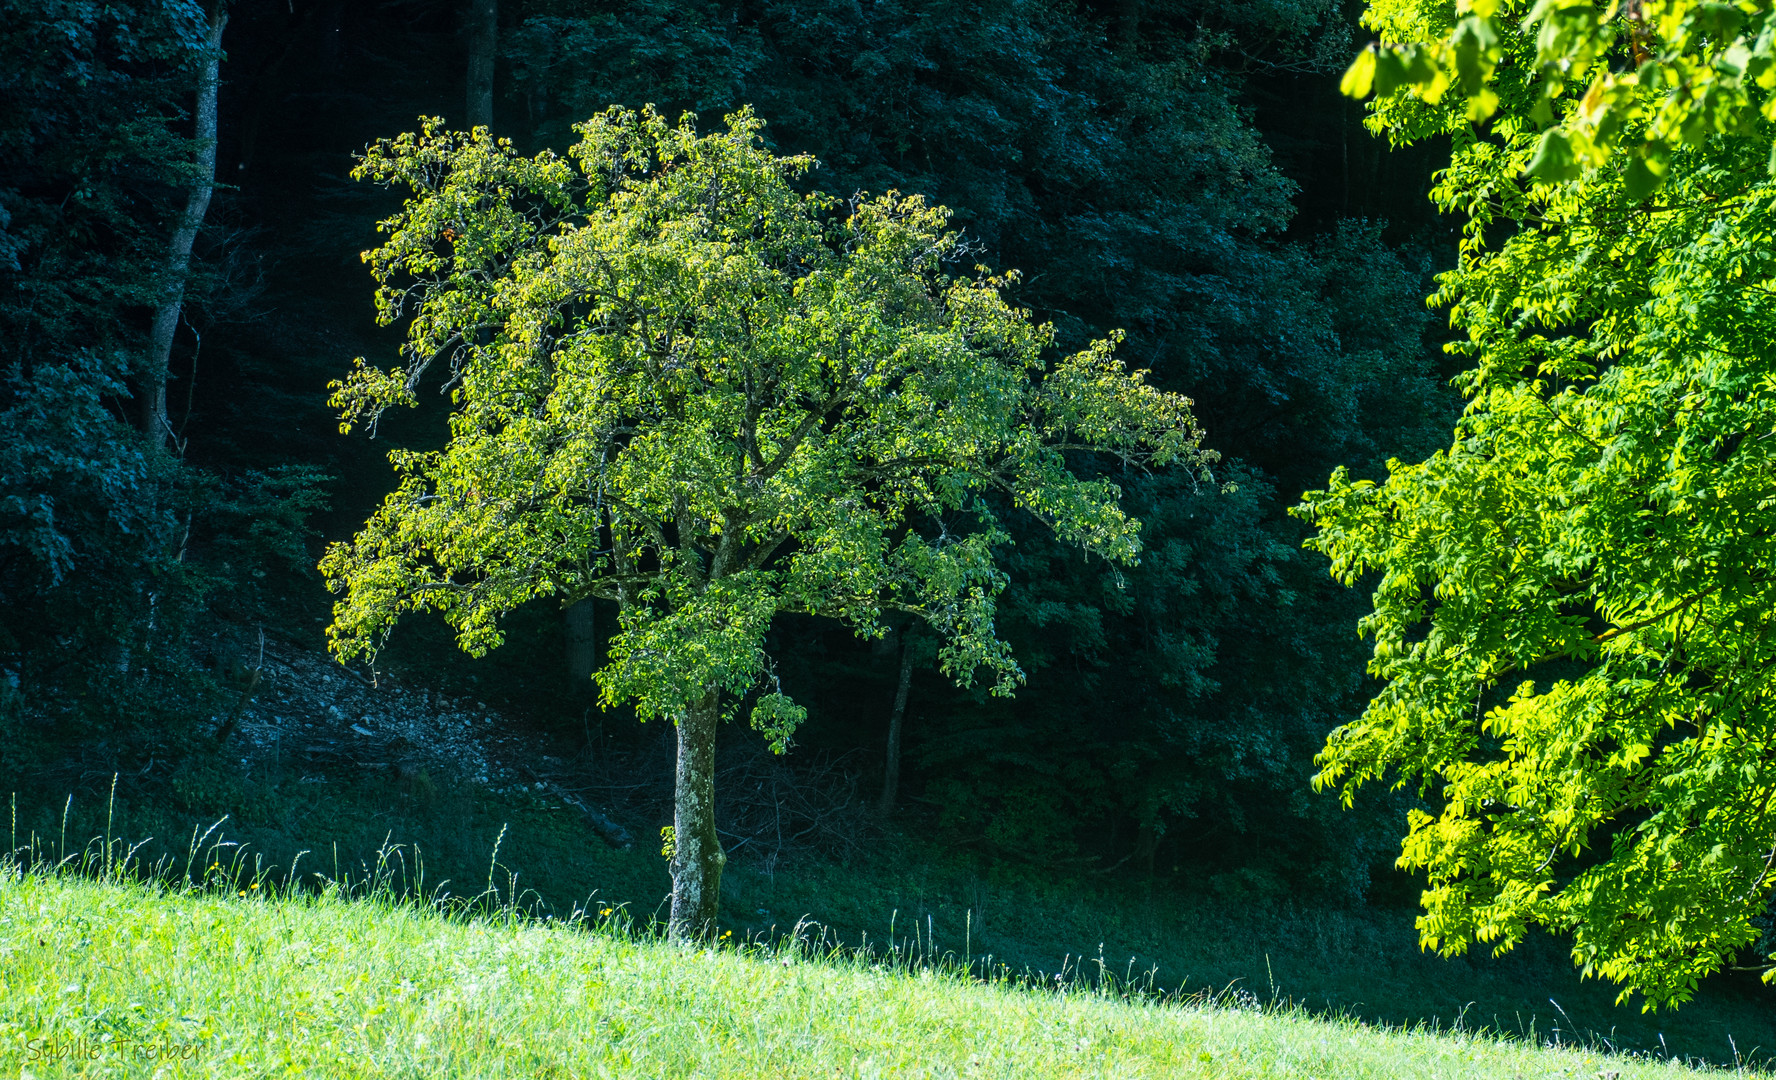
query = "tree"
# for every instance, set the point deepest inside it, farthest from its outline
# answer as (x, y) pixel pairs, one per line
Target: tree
(481, 26)
(1573, 606)
(154, 419)
(85, 159)
(113, 553)
(685, 387)
(905, 638)
(1133, 187)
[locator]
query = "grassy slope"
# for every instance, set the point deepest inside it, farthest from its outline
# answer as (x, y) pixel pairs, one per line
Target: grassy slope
(1364, 962)
(323, 987)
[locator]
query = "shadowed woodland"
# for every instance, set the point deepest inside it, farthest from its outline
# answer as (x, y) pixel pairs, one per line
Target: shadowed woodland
(1185, 172)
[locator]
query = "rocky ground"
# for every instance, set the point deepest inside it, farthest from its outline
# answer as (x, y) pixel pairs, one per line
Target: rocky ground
(302, 712)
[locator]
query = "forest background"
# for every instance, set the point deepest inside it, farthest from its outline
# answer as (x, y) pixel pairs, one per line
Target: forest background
(1186, 172)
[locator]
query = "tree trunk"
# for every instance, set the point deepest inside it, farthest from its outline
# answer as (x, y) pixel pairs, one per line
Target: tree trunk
(697, 856)
(1146, 846)
(1129, 26)
(483, 28)
(153, 418)
(582, 643)
(891, 774)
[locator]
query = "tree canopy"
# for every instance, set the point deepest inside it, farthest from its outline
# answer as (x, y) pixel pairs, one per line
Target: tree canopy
(682, 385)
(1572, 610)
(1658, 76)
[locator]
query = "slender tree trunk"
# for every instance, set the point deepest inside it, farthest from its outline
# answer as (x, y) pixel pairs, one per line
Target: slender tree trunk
(1344, 156)
(697, 856)
(1128, 27)
(582, 643)
(1146, 847)
(483, 27)
(153, 418)
(891, 774)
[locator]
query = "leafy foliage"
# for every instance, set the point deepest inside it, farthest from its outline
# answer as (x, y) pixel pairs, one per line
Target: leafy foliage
(1571, 613)
(78, 230)
(1663, 75)
(111, 550)
(709, 398)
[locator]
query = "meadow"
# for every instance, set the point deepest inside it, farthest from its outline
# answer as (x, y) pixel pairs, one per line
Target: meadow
(1190, 939)
(228, 974)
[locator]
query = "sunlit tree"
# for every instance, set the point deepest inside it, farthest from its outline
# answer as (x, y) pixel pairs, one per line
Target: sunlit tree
(684, 386)
(1574, 606)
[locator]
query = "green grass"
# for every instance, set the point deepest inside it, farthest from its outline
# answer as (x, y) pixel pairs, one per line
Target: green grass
(126, 979)
(1361, 962)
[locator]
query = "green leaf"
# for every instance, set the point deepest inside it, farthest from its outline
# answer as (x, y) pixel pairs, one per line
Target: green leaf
(776, 717)
(1644, 174)
(1476, 47)
(1553, 159)
(1391, 71)
(1360, 76)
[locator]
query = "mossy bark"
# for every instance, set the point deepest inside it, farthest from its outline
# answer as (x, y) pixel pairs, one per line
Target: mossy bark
(697, 856)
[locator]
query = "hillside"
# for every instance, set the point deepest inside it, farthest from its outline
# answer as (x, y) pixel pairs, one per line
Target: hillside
(1089, 486)
(106, 979)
